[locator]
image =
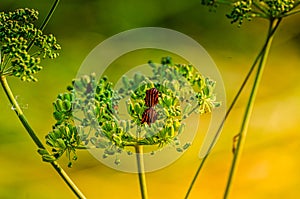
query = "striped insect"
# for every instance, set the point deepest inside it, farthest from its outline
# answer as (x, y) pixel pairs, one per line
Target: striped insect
(149, 116)
(151, 98)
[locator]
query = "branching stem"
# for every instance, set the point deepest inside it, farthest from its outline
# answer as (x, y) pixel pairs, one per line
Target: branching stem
(274, 23)
(257, 59)
(291, 13)
(225, 118)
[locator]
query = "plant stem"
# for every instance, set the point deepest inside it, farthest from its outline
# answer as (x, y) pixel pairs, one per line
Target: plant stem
(195, 177)
(34, 137)
(224, 119)
(291, 13)
(221, 125)
(141, 170)
(46, 20)
(245, 123)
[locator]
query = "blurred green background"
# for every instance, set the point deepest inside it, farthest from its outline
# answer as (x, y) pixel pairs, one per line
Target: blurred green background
(269, 167)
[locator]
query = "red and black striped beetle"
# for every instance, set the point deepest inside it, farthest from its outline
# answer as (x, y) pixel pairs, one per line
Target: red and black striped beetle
(151, 98)
(149, 116)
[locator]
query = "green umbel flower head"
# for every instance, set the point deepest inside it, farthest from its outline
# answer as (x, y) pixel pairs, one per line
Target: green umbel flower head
(248, 9)
(88, 116)
(22, 45)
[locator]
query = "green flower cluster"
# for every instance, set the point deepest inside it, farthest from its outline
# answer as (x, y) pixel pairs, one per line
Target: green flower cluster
(79, 112)
(279, 7)
(187, 80)
(241, 10)
(17, 35)
(89, 114)
(249, 9)
(62, 139)
(164, 129)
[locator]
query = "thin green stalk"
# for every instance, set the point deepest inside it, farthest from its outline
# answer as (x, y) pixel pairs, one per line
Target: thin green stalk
(291, 13)
(274, 23)
(141, 171)
(224, 119)
(195, 177)
(46, 20)
(222, 123)
(5, 62)
(261, 8)
(34, 137)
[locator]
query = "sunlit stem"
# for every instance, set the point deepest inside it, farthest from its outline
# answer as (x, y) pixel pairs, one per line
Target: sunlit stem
(225, 118)
(291, 13)
(141, 170)
(245, 123)
(34, 137)
(195, 177)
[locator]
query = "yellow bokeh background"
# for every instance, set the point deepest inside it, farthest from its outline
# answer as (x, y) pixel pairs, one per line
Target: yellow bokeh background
(269, 166)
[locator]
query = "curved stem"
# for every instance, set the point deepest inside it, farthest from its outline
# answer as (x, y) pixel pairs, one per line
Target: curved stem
(141, 170)
(245, 123)
(34, 137)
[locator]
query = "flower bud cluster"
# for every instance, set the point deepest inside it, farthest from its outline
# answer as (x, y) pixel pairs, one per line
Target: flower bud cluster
(248, 9)
(17, 35)
(88, 115)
